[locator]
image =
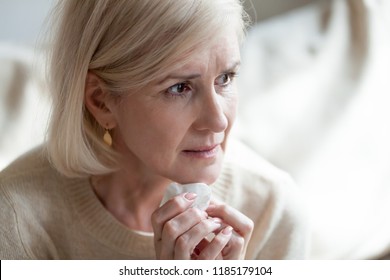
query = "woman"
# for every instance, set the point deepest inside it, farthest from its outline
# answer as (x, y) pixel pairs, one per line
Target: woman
(144, 95)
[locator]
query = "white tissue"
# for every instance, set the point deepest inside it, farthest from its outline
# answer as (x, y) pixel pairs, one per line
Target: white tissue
(203, 192)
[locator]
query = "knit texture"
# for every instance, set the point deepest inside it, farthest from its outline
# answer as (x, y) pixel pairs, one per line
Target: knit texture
(44, 215)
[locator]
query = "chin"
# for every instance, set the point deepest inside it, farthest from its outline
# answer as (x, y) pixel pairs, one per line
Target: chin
(206, 175)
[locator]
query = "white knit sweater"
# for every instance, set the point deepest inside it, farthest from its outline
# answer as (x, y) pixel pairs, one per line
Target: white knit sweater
(44, 215)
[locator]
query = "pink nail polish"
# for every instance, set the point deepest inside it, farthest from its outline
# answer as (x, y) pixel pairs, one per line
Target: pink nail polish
(190, 196)
(227, 230)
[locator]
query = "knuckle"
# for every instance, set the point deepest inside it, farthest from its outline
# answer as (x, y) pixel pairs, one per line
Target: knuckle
(223, 208)
(169, 228)
(179, 203)
(156, 218)
(196, 213)
(237, 242)
(220, 240)
(182, 243)
(198, 230)
(206, 223)
(248, 226)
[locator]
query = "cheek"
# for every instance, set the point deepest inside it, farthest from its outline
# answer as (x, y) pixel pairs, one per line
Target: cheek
(231, 104)
(230, 110)
(143, 127)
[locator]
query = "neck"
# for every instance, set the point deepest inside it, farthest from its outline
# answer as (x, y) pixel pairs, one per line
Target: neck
(130, 199)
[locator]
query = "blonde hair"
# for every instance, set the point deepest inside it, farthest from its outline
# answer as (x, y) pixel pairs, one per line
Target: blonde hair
(126, 43)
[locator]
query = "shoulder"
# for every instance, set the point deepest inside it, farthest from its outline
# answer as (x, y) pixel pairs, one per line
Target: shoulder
(30, 162)
(33, 186)
(29, 193)
(28, 174)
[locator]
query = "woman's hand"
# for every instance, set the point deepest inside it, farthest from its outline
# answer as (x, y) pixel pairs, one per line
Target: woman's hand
(241, 226)
(180, 231)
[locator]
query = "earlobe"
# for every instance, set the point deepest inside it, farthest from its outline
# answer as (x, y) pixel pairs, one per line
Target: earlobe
(95, 99)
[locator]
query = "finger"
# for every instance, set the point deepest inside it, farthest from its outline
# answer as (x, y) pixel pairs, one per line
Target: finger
(215, 247)
(187, 242)
(200, 247)
(170, 209)
(240, 223)
(242, 229)
(235, 248)
(177, 226)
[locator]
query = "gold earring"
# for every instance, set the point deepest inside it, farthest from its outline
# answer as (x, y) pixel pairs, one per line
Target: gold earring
(107, 137)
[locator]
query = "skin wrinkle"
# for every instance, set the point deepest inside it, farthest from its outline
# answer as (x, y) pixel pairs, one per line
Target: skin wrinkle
(155, 157)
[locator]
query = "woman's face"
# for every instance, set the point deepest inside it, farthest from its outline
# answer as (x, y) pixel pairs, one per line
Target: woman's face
(177, 126)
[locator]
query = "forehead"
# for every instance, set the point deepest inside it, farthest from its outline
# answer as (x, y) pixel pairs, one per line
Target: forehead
(221, 52)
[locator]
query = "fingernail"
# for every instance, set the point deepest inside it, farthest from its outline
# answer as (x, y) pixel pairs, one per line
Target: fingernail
(190, 196)
(227, 230)
(217, 221)
(211, 207)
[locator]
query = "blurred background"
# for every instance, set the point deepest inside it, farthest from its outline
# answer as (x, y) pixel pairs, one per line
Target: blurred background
(314, 101)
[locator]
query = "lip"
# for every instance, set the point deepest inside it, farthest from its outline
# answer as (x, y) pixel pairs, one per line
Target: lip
(203, 152)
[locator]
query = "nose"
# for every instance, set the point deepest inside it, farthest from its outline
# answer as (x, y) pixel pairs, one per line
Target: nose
(211, 114)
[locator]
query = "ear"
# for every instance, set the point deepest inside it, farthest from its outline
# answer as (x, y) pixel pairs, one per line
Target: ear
(97, 101)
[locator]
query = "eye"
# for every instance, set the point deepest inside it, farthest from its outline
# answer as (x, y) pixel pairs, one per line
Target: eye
(225, 79)
(179, 89)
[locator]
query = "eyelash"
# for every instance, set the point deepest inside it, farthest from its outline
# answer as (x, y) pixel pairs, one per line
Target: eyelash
(186, 85)
(231, 76)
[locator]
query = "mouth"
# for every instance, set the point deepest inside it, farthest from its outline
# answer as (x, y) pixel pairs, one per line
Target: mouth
(203, 152)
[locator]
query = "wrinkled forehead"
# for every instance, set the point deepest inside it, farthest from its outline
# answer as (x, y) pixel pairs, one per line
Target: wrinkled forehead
(220, 51)
(167, 49)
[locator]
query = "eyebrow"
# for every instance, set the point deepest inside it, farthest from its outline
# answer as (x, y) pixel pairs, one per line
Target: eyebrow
(233, 67)
(180, 77)
(194, 76)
